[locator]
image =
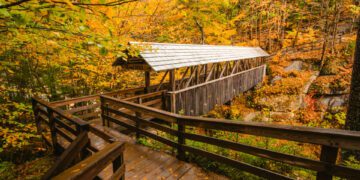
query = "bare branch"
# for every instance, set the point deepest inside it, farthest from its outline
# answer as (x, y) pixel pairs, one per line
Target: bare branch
(114, 3)
(13, 4)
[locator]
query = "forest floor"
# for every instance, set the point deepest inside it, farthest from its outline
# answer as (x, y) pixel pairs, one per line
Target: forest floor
(33, 169)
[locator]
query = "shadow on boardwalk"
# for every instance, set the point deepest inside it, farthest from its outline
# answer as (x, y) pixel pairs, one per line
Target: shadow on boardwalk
(144, 163)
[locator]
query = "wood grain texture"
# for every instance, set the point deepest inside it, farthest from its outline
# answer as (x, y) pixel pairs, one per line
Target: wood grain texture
(144, 163)
(201, 98)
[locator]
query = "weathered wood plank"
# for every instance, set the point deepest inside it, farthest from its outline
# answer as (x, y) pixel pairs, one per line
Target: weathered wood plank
(315, 165)
(141, 131)
(91, 166)
(237, 164)
(329, 137)
(219, 92)
(147, 110)
(142, 121)
(68, 156)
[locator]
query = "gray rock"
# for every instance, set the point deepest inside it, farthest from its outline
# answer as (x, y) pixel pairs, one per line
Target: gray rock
(251, 116)
(276, 78)
(332, 102)
(311, 80)
(295, 65)
(282, 103)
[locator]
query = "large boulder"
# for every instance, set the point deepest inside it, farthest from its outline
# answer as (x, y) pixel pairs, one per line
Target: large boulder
(281, 103)
(332, 102)
(294, 66)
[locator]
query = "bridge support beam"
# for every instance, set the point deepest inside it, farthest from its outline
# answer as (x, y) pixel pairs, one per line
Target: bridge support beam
(172, 87)
(147, 81)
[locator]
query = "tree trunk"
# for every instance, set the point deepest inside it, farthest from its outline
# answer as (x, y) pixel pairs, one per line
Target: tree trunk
(201, 29)
(326, 34)
(353, 114)
(335, 25)
(259, 21)
(283, 24)
(298, 24)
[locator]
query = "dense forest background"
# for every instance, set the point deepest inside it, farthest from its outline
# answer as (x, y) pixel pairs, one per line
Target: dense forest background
(59, 49)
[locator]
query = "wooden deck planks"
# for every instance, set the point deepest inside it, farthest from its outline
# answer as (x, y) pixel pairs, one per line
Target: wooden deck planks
(144, 163)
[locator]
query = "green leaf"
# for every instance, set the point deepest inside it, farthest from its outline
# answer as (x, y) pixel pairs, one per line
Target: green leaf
(103, 51)
(5, 12)
(19, 19)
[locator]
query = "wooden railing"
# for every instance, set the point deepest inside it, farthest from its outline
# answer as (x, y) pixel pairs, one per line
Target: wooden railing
(55, 125)
(92, 166)
(88, 107)
(330, 140)
(69, 138)
(154, 99)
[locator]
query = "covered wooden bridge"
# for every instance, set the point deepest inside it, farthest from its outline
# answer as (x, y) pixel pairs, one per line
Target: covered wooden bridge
(208, 75)
(95, 136)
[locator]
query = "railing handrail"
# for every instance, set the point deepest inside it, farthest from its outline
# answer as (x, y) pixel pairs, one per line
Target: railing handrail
(68, 156)
(330, 137)
(61, 112)
(91, 97)
(171, 117)
(90, 167)
(144, 96)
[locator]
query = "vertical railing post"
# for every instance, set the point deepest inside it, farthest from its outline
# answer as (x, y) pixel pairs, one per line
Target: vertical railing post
(52, 125)
(36, 115)
(181, 139)
(328, 155)
(117, 164)
(83, 129)
(102, 102)
(137, 123)
(163, 101)
(107, 114)
(173, 102)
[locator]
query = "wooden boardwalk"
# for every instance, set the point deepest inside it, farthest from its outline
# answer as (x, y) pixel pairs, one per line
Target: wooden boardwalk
(144, 163)
(118, 155)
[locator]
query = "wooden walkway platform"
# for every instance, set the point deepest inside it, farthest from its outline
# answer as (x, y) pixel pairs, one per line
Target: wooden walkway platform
(144, 163)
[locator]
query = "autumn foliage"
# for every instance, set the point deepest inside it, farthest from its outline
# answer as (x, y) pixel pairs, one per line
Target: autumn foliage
(59, 49)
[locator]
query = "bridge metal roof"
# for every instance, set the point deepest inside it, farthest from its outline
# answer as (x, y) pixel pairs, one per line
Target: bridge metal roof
(166, 56)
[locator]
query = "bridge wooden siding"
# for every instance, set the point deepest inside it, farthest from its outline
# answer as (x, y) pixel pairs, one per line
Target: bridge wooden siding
(202, 98)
